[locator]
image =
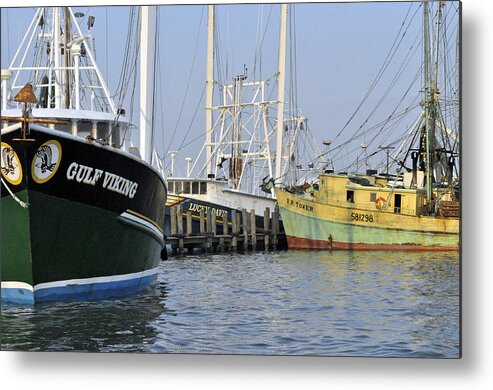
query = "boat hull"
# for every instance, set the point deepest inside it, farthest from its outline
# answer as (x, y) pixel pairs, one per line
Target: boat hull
(80, 236)
(312, 225)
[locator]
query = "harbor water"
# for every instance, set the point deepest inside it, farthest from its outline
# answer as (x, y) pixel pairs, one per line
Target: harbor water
(381, 304)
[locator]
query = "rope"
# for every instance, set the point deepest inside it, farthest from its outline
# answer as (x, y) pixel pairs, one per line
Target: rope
(22, 204)
(397, 42)
(188, 85)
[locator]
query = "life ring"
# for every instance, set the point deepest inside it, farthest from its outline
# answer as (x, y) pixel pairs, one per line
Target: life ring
(380, 202)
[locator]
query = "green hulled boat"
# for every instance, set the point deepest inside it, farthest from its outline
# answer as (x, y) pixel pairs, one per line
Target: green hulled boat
(81, 216)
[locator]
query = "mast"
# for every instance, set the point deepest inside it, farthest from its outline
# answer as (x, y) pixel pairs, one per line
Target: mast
(280, 89)
(67, 36)
(209, 90)
(57, 57)
(431, 98)
(147, 76)
(428, 166)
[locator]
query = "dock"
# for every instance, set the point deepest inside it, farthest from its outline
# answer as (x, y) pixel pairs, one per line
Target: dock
(240, 232)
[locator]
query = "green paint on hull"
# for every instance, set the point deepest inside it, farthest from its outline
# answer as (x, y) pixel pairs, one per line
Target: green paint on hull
(70, 240)
(16, 262)
(310, 228)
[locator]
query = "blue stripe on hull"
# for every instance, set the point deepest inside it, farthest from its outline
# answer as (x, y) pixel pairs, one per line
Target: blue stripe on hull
(17, 295)
(78, 291)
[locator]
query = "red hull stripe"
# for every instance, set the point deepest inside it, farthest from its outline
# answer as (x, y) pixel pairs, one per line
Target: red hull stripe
(305, 243)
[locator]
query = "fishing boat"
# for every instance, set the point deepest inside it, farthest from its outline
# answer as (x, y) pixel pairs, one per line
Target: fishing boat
(418, 207)
(246, 149)
(82, 214)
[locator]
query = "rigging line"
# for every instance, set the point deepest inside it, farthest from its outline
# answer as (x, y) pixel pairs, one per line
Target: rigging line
(400, 71)
(188, 83)
(383, 141)
(192, 120)
(259, 52)
(154, 89)
(257, 33)
(218, 68)
(398, 104)
(384, 66)
(295, 59)
(106, 42)
(23, 204)
(375, 127)
(8, 32)
(124, 75)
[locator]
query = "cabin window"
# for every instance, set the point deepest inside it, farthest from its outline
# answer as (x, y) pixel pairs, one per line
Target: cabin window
(115, 136)
(178, 187)
(373, 197)
(397, 203)
(84, 128)
(67, 128)
(195, 187)
(171, 186)
(186, 187)
(102, 131)
(350, 196)
(203, 187)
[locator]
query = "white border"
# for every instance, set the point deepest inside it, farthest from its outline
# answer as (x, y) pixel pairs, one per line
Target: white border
(143, 222)
(132, 371)
(14, 284)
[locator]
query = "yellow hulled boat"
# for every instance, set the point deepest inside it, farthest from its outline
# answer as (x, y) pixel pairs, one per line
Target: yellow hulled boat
(418, 206)
(364, 212)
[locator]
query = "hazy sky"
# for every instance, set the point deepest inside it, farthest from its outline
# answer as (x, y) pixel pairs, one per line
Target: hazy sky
(340, 47)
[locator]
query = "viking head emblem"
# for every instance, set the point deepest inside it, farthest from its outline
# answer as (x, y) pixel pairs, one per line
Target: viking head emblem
(9, 163)
(45, 155)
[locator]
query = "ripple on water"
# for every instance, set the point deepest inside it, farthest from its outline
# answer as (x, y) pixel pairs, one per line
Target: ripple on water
(285, 303)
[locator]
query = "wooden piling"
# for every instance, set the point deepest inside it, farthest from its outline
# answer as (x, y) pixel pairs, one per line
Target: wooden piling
(213, 223)
(234, 230)
(179, 224)
(253, 229)
(172, 213)
(275, 227)
(241, 236)
(202, 222)
(208, 233)
(266, 228)
(189, 223)
(225, 224)
(244, 223)
(222, 242)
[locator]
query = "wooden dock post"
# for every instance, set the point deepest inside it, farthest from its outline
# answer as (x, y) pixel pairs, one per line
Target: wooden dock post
(189, 223)
(266, 228)
(213, 222)
(208, 233)
(222, 242)
(172, 213)
(242, 236)
(244, 223)
(202, 222)
(275, 227)
(179, 223)
(234, 230)
(225, 224)
(253, 229)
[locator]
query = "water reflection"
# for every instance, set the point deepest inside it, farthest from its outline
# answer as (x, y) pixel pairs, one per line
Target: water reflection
(109, 325)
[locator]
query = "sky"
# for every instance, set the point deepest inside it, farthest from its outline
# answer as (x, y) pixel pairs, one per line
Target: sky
(340, 48)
